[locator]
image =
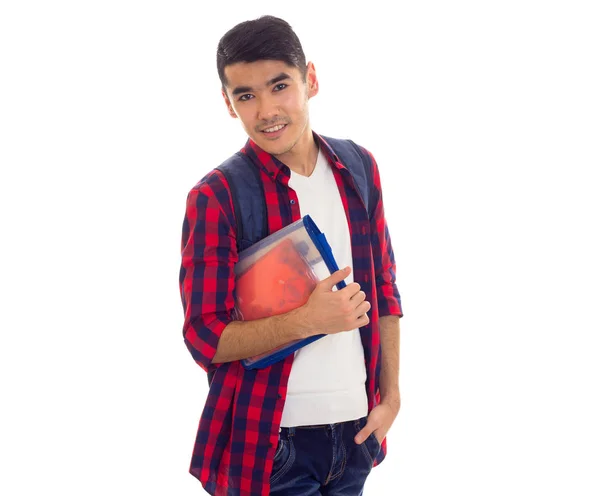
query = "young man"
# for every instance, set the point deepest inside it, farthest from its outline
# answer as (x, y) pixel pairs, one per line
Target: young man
(315, 422)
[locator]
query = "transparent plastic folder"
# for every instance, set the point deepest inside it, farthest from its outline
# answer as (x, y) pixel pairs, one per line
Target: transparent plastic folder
(277, 275)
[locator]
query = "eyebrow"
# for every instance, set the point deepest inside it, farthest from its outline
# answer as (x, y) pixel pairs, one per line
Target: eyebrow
(247, 89)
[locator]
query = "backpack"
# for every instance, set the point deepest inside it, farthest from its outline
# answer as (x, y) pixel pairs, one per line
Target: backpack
(248, 195)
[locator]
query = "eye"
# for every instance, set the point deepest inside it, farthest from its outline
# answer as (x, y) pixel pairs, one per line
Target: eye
(243, 97)
(281, 84)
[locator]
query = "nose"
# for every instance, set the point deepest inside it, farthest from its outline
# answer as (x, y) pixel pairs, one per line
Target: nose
(267, 109)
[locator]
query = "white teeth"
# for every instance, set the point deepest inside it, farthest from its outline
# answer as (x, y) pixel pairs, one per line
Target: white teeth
(273, 129)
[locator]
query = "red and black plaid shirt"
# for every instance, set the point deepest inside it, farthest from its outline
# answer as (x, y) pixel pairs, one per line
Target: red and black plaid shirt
(239, 426)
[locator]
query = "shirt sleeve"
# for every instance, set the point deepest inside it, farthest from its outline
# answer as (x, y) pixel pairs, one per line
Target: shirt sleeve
(388, 296)
(207, 280)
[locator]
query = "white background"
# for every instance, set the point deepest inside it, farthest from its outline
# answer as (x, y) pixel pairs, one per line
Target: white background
(484, 119)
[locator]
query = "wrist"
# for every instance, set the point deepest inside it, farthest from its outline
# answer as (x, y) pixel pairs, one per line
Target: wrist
(392, 399)
(301, 322)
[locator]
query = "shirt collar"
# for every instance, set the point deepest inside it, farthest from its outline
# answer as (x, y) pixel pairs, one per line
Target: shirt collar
(274, 168)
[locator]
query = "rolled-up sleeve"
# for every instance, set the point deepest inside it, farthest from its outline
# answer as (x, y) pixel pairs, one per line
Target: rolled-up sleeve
(388, 296)
(206, 279)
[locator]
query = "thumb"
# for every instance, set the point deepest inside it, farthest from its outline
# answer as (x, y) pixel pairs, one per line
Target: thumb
(337, 276)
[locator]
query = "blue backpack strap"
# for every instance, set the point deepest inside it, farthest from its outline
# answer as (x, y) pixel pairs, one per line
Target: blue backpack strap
(248, 196)
(359, 165)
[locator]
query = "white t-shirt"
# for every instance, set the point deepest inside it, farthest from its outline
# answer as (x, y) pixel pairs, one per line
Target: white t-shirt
(327, 381)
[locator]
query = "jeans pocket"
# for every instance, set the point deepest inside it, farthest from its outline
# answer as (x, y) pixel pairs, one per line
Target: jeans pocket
(370, 446)
(376, 444)
(283, 459)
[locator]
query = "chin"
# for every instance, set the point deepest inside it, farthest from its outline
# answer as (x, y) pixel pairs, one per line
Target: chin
(275, 147)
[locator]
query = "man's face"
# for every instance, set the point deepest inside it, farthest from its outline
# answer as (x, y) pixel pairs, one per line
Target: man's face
(267, 94)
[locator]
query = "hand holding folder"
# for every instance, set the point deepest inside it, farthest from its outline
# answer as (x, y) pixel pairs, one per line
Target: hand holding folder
(277, 275)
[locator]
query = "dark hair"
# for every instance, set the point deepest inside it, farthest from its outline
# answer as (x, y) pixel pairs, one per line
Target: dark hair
(265, 38)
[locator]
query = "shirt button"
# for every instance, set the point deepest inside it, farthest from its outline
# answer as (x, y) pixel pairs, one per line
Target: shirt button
(279, 396)
(293, 202)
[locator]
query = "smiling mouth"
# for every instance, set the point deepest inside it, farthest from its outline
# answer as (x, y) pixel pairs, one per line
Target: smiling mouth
(274, 129)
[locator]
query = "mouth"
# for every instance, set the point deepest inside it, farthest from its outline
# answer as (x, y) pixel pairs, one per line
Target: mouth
(275, 131)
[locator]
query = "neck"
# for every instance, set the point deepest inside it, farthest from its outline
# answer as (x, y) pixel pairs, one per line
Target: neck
(302, 157)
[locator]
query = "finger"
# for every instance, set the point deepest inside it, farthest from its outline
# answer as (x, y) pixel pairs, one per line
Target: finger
(362, 321)
(363, 308)
(349, 291)
(363, 434)
(337, 276)
(359, 297)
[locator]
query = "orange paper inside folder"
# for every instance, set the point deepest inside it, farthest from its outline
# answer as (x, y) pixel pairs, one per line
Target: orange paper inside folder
(279, 281)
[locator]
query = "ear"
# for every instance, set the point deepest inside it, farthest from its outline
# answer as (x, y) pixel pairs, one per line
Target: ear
(312, 82)
(228, 104)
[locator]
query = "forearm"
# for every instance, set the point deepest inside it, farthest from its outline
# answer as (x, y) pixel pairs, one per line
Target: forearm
(244, 339)
(389, 379)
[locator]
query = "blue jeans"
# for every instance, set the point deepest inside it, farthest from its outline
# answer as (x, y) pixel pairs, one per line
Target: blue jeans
(322, 460)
